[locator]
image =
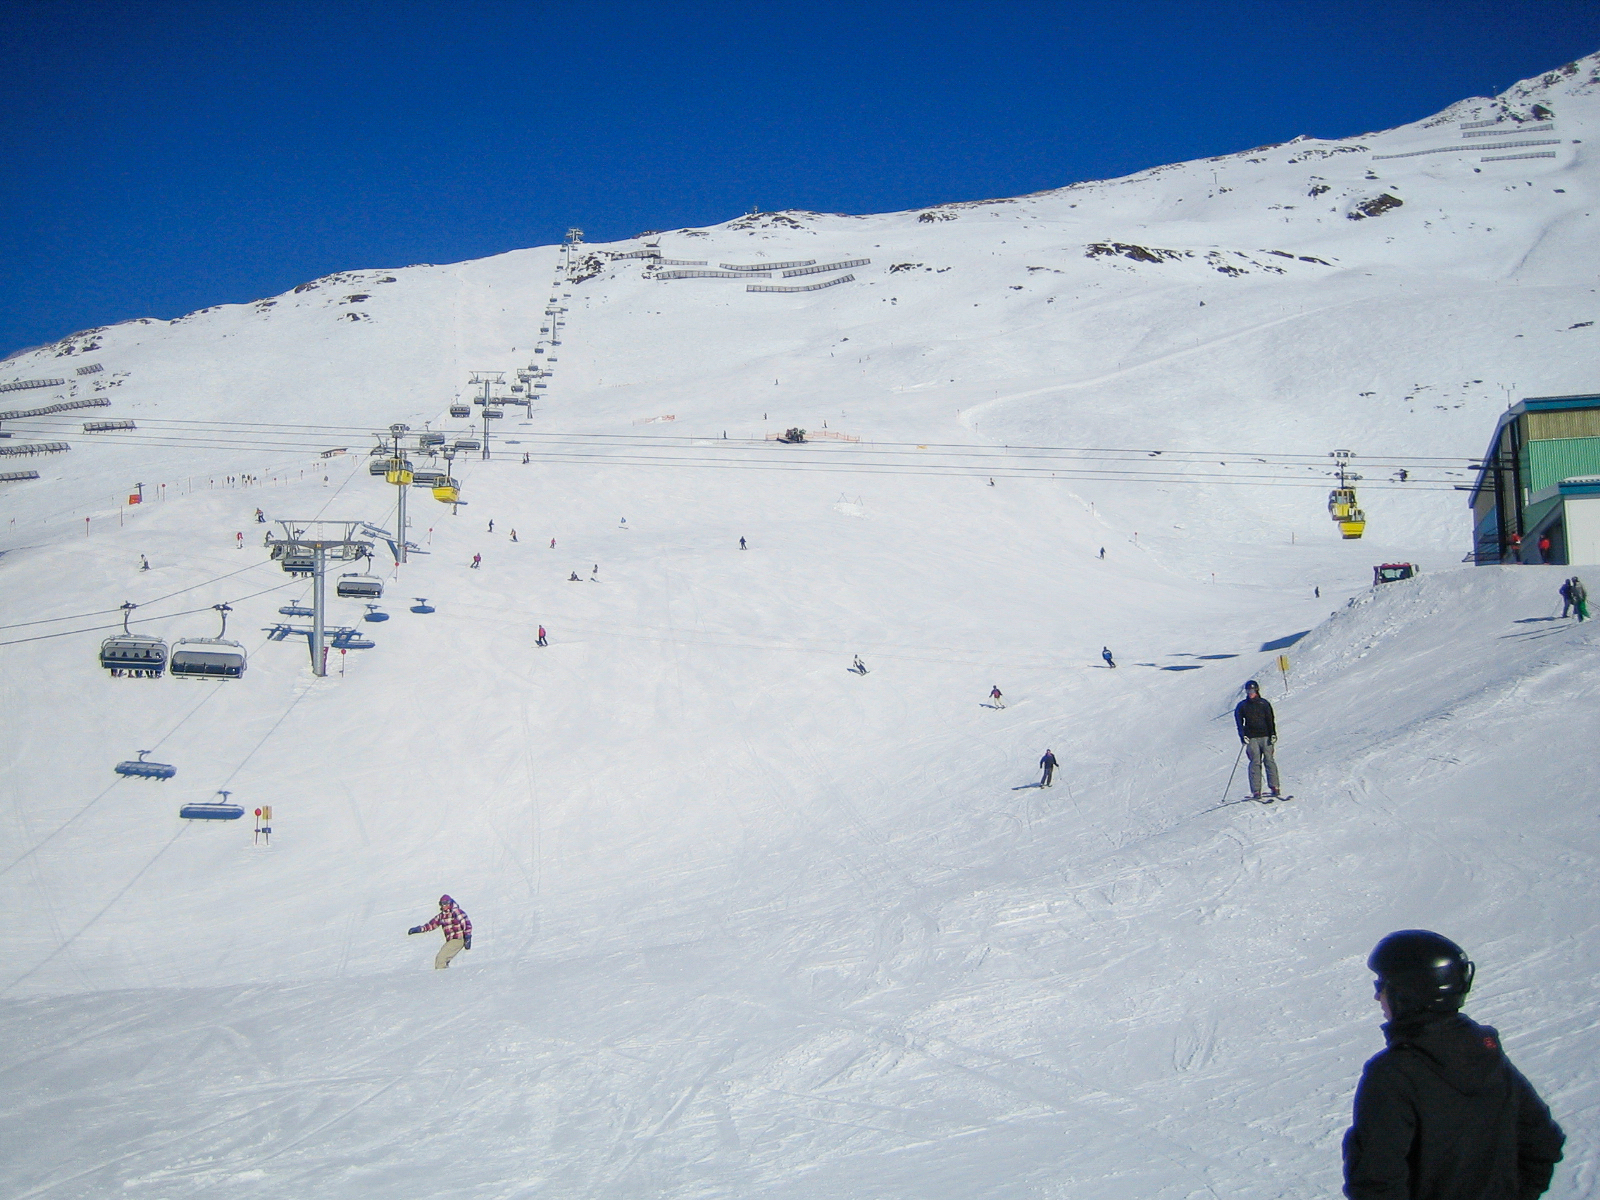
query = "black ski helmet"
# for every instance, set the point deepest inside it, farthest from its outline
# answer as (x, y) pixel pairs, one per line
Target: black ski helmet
(1422, 971)
(1251, 683)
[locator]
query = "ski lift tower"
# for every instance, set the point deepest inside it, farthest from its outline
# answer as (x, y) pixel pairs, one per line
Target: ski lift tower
(491, 404)
(322, 540)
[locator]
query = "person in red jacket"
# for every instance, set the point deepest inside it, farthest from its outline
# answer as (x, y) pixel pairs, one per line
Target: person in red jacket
(457, 927)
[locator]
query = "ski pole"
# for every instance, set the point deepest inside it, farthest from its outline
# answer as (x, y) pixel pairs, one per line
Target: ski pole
(1232, 773)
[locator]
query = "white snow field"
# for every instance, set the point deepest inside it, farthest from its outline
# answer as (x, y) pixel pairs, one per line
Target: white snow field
(748, 924)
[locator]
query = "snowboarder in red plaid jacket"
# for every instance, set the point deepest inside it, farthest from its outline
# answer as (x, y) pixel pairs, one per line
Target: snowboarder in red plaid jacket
(457, 927)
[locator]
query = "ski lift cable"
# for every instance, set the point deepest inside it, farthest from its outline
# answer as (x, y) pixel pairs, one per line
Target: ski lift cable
(204, 700)
(141, 604)
(965, 448)
(188, 612)
(962, 471)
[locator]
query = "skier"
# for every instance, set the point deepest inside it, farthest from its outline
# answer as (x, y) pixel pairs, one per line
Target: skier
(524, 458)
(1258, 731)
(491, 524)
(476, 559)
(457, 927)
(1102, 551)
(552, 543)
(573, 578)
(742, 546)
(238, 540)
(1566, 598)
(1580, 599)
(994, 697)
(859, 667)
(1105, 653)
(1441, 1112)
(144, 565)
(542, 641)
(1317, 591)
(1048, 762)
(261, 517)
(513, 535)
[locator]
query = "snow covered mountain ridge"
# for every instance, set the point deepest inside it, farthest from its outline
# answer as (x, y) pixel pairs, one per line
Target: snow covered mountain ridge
(747, 922)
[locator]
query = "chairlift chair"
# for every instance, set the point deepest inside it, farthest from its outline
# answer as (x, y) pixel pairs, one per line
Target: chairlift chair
(468, 444)
(137, 655)
(296, 610)
(299, 562)
(209, 658)
(138, 768)
(212, 810)
(460, 410)
(430, 439)
(374, 615)
(359, 587)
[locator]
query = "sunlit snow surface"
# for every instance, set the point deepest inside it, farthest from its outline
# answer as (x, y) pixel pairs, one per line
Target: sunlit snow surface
(747, 923)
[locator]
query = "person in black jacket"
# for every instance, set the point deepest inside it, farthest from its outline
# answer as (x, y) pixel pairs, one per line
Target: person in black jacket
(1441, 1114)
(1048, 762)
(1258, 730)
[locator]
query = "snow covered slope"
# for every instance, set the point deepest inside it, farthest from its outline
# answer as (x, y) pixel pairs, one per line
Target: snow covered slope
(747, 923)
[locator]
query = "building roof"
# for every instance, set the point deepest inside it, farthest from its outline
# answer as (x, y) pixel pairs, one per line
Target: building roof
(1530, 404)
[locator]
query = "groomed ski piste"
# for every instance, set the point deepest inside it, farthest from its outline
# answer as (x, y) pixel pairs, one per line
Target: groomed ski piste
(745, 922)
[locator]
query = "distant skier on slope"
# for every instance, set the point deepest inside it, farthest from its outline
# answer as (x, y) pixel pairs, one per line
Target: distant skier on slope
(1441, 1112)
(542, 641)
(995, 699)
(1105, 653)
(859, 667)
(477, 561)
(1580, 599)
(1566, 598)
(1258, 730)
(742, 545)
(1048, 762)
(457, 927)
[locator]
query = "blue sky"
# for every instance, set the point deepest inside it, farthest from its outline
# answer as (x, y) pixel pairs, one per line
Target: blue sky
(162, 156)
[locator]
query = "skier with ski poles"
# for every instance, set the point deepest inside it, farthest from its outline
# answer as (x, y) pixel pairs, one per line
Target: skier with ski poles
(1048, 762)
(1580, 600)
(1258, 731)
(1566, 598)
(1441, 1112)
(994, 697)
(542, 641)
(1105, 653)
(457, 927)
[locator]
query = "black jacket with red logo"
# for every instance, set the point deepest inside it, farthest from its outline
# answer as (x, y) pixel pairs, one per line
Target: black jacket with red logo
(1443, 1115)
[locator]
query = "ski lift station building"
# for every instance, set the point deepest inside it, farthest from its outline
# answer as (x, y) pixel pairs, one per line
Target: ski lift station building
(1540, 477)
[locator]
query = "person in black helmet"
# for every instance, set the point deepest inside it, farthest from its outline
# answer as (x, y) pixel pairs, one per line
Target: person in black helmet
(1258, 730)
(1441, 1113)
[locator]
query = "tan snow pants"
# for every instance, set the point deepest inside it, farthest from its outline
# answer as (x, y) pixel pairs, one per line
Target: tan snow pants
(446, 952)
